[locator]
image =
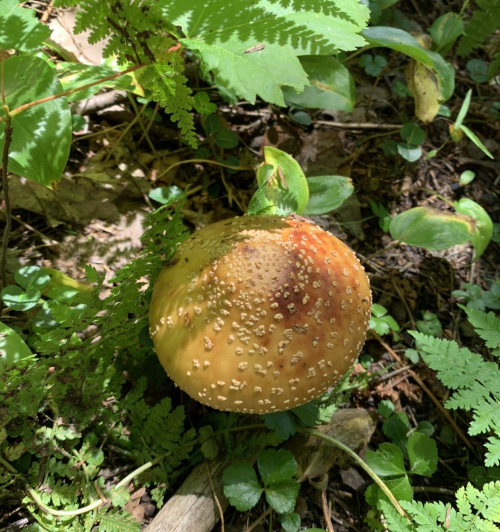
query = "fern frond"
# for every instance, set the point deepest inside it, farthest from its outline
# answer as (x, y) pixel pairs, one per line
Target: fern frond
(487, 326)
(118, 521)
(494, 65)
(485, 20)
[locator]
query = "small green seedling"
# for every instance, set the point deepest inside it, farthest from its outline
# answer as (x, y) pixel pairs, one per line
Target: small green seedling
(277, 470)
(372, 65)
(430, 324)
(477, 298)
(381, 322)
(413, 136)
(384, 217)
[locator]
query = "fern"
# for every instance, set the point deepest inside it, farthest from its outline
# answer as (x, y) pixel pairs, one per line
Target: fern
(219, 33)
(485, 21)
(477, 382)
(115, 521)
(477, 511)
(487, 327)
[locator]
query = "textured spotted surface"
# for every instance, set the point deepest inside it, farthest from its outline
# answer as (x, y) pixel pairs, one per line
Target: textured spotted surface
(259, 313)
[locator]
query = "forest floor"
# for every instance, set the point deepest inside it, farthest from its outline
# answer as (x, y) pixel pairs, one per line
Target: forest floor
(94, 217)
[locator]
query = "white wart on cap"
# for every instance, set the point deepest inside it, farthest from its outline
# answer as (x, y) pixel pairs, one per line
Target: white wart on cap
(259, 313)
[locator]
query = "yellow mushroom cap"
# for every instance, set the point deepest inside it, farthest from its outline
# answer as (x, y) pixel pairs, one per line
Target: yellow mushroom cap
(259, 313)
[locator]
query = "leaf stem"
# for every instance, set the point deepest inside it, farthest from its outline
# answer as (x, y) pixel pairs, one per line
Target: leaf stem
(208, 161)
(8, 210)
(29, 105)
(381, 484)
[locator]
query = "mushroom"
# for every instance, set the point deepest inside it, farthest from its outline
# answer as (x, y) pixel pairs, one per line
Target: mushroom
(260, 313)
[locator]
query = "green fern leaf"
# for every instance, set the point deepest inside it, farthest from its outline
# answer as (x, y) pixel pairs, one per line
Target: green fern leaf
(485, 21)
(487, 326)
(118, 521)
(426, 517)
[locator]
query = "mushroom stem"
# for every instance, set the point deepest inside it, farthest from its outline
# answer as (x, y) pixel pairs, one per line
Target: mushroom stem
(381, 484)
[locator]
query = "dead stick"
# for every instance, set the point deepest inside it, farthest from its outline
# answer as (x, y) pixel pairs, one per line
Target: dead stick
(259, 519)
(427, 391)
(326, 513)
(8, 213)
(216, 499)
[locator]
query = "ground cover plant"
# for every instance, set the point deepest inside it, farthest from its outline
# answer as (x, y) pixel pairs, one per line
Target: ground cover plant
(124, 127)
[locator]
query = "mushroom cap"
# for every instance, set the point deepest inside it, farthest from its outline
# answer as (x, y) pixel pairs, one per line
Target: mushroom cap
(259, 313)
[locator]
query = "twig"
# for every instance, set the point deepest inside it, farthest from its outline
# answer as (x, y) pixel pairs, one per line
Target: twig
(45, 239)
(208, 161)
(326, 513)
(47, 12)
(8, 213)
(420, 382)
(216, 499)
(358, 125)
(258, 520)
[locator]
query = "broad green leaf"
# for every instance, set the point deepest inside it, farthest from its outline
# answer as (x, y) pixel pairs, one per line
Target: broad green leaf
(412, 133)
(290, 522)
(430, 228)
(331, 85)
(282, 495)
(74, 75)
(17, 299)
(387, 461)
(19, 27)
(327, 193)
(483, 228)
(402, 41)
(41, 136)
(378, 310)
(32, 277)
(400, 488)
(445, 30)
(165, 194)
(273, 196)
(275, 466)
(466, 177)
(241, 486)
(386, 408)
(12, 346)
(308, 414)
(397, 426)
(227, 139)
(463, 110)
(423, 455)
(282, 422)
(408, 152)
(229, 39)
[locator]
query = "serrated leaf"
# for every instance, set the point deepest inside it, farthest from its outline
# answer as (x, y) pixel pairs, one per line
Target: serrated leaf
(241, 486)
(119, 496)
(387, 461)
(290, 522)
(282, 422)
(20, 28)
(308, 414)
(118, 521)
(282, 495)
(41, 135)
(275, 466)
(423, 455)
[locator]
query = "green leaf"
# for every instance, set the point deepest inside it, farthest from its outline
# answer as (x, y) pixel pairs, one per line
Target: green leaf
(241, 486)
(478, 70)
(327, 193)
(400, 488)
(466, 177)
(402, 41)
(378, 310)
(12, 346)
(397, 426)
(74, 75)
(463, 110)
(285, 31)
(308, 414)
(275, 466)
(227, 139)
(386, 461)
(331, 85)
(408, 152)
(282, 495)
(430, 228)
(282, 422)
(273, 196)
(165, 194)
(290, 522)
(423, 455)
(412, 133)
(17, 299)
(20, 28)
(202, 103)
(395, 522)
(41, 136)
(483, 228)
(119, 496)
(117, 521)
(475, 139)
(31, 277)
(386, 408)
(445, 30)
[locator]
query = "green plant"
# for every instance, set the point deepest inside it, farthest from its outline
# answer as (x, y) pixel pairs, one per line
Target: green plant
(413, 137)
(276, 469)
(381, 322)
(477, 298)
(372, 65)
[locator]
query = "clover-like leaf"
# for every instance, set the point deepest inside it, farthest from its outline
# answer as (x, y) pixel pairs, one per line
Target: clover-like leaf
(17, 299)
